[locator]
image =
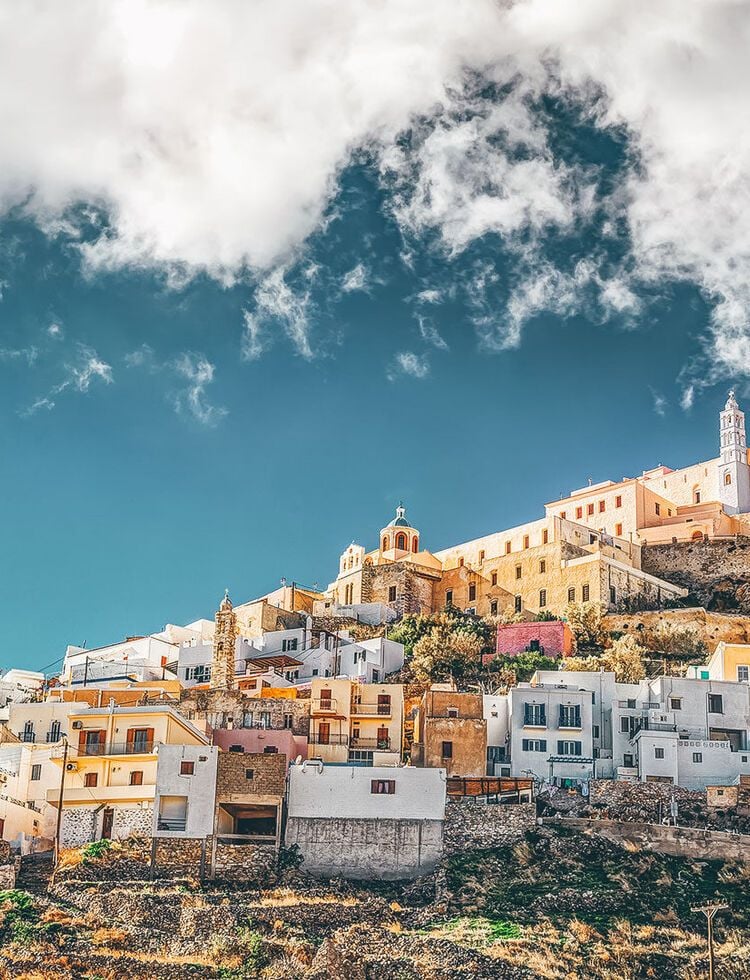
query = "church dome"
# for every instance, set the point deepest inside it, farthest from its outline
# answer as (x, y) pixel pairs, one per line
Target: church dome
(400, 519)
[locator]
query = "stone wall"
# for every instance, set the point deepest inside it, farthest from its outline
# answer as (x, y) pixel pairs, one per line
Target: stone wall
(716, 573)
(269, 774)
(472, 824)
(78, 825)
(132, 821)
(225, 709)
(83, 824)
(175, 857)
(414, 587)
(366, 848)
(712, 845)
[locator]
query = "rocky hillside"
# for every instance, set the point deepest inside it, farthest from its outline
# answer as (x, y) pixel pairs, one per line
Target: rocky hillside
(554, 905)
(715, 573)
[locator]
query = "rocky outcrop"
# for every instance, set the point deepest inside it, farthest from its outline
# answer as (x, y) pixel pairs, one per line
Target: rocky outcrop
(716, 573)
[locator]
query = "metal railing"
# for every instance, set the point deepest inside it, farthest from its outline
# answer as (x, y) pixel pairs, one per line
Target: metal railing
(175, 824)
(372, 709)
(371, 743)
(324, 704)
(138, 747)
(317, 739)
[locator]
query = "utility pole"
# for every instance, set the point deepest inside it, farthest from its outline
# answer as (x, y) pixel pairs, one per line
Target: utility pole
(709, 910)
(60, 798)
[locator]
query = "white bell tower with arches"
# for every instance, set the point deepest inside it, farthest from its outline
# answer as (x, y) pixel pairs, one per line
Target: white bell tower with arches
(734, 472)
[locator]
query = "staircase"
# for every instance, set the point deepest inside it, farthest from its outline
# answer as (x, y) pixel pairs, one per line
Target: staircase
(35, 873)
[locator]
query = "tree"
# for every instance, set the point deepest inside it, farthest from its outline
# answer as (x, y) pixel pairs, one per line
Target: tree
(587, 625)
(445, 653)
(524, 665)
(624, 657)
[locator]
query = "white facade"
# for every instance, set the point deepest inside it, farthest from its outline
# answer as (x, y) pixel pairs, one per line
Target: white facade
(495, 712)
(185, 797)
(144, 651)
(550, 729)
(20, 685)
(346, 792)
(734, 472)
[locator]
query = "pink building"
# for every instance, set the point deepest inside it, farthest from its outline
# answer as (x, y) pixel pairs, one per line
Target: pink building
(552, 638)
(280, 740)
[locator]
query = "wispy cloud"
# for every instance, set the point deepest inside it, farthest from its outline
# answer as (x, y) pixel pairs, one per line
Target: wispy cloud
(55, 331)
(408, 364)
(430, 333)
(27, 354)
(195, 371)
(276, 302)
(355, 279)
(80, 373)
(660, 403)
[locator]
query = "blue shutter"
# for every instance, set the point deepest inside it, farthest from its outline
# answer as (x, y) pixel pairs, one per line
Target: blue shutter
(543, 745)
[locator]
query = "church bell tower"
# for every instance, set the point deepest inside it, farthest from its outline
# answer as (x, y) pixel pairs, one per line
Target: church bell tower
(225, 636)
(734, 472)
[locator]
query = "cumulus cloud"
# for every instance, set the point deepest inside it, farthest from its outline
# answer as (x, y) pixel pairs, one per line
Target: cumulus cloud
(409, 364)
(210, 137)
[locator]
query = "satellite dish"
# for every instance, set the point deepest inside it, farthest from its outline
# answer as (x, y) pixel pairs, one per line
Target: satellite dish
(298, 760)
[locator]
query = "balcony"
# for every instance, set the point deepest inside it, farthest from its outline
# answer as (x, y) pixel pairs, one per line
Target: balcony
(322, 706)
(117, 748)
(317, 739)
(381, 744)
(373, 710)
(174, 825)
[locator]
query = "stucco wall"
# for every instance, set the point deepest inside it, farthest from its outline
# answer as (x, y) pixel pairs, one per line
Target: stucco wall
(384, 849)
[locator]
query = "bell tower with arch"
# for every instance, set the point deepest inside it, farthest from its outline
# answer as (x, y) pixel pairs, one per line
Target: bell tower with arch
(399, 538)
(733, 472)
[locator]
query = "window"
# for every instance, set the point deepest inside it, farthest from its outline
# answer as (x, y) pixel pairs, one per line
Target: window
(383, 787)
(481, 556)
(566, 747)
(507, 547)
(657, 508)
(534, 744)
(249, 774)
(493, 607)
(675, 704)
(571, 594)
(542, 598)
(563, 514)
(570, 716)
(618, 501)
(589, 510)
(602, 506)
(697, 496)
(525, 540)
(716, 704)
(658, 753)
(545, 536)
(518, 571)
(28, 732)
(447, 750)
(612, 595)
(288, 721)
(449, 597)
(54, 732)
(287, 645)
(631, 702)
(579, 512)
(697, 757)
(391, 593)
(727, 479)
(270, 750)
(460, 563)
(535, 715)
(236, 748)
(517, 604)
(585, 592)
(595, 731)
(618, 530)
(627, 761)
(90, 779)
(452, 712)
(187, 768)
(386, 543)
(136, 777)
(743, 672)
(36, 772)
(542, 567)
(472, 592)
(494, 578)
(625, 724)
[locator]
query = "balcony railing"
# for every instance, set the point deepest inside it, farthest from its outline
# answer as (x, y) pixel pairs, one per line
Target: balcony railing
(372, 709)
(117, 748)
(324, 704)
(317, 739)
(371, 743)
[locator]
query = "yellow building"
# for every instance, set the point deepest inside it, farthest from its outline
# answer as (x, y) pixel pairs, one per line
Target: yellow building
(109, 775)
(359, 724)
(729, 662)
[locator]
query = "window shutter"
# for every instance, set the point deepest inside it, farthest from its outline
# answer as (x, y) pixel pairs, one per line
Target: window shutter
(525, 744)
(150, 736)
(543, 745)
(82, 741)
(130, 738)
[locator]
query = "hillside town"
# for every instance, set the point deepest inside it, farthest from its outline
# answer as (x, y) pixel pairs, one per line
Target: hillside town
(591, 666)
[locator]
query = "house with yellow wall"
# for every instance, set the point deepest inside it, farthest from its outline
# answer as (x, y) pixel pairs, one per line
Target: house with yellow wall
(356, 724)
(108, 774)
(729, 662)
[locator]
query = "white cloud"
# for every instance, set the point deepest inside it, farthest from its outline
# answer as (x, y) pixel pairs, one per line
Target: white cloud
(277, 303)
(55, 331)
(355, 279)
(211, 136)
(27, 354)
(80, 374)
(410, 364)
(688, 397)
(430, 333)
(660, 403)
(199, 373)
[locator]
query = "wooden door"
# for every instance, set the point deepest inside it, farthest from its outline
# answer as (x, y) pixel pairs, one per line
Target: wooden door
(107, 820)
(324, 733)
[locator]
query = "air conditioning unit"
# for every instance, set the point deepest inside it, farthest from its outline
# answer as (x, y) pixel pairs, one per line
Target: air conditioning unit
(77, 724)
(71, 766)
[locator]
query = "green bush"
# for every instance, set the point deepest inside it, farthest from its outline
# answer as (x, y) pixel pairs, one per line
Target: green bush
(95, 850)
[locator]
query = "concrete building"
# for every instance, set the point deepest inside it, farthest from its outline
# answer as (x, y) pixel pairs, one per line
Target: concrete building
(110, 769)
(20, 685)
(356, 724)
(729, 662)
(382, 823)
(450, 732)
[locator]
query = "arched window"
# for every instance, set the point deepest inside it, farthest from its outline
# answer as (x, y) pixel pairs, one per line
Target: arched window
(401, 542)
(386, 543)
(415, 545)
(727, 479)
(697, 535)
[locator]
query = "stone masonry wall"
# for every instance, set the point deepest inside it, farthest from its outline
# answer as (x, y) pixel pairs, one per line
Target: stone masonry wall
(269, 774)
(717, 573)
(227, 708)
(414, 592)
(472, 824)
(132, 821)
(78, 826)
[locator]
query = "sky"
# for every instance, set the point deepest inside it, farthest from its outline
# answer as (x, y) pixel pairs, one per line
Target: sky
(267, 269)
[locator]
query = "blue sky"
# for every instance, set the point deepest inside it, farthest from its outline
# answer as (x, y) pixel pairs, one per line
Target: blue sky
(470, 290)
